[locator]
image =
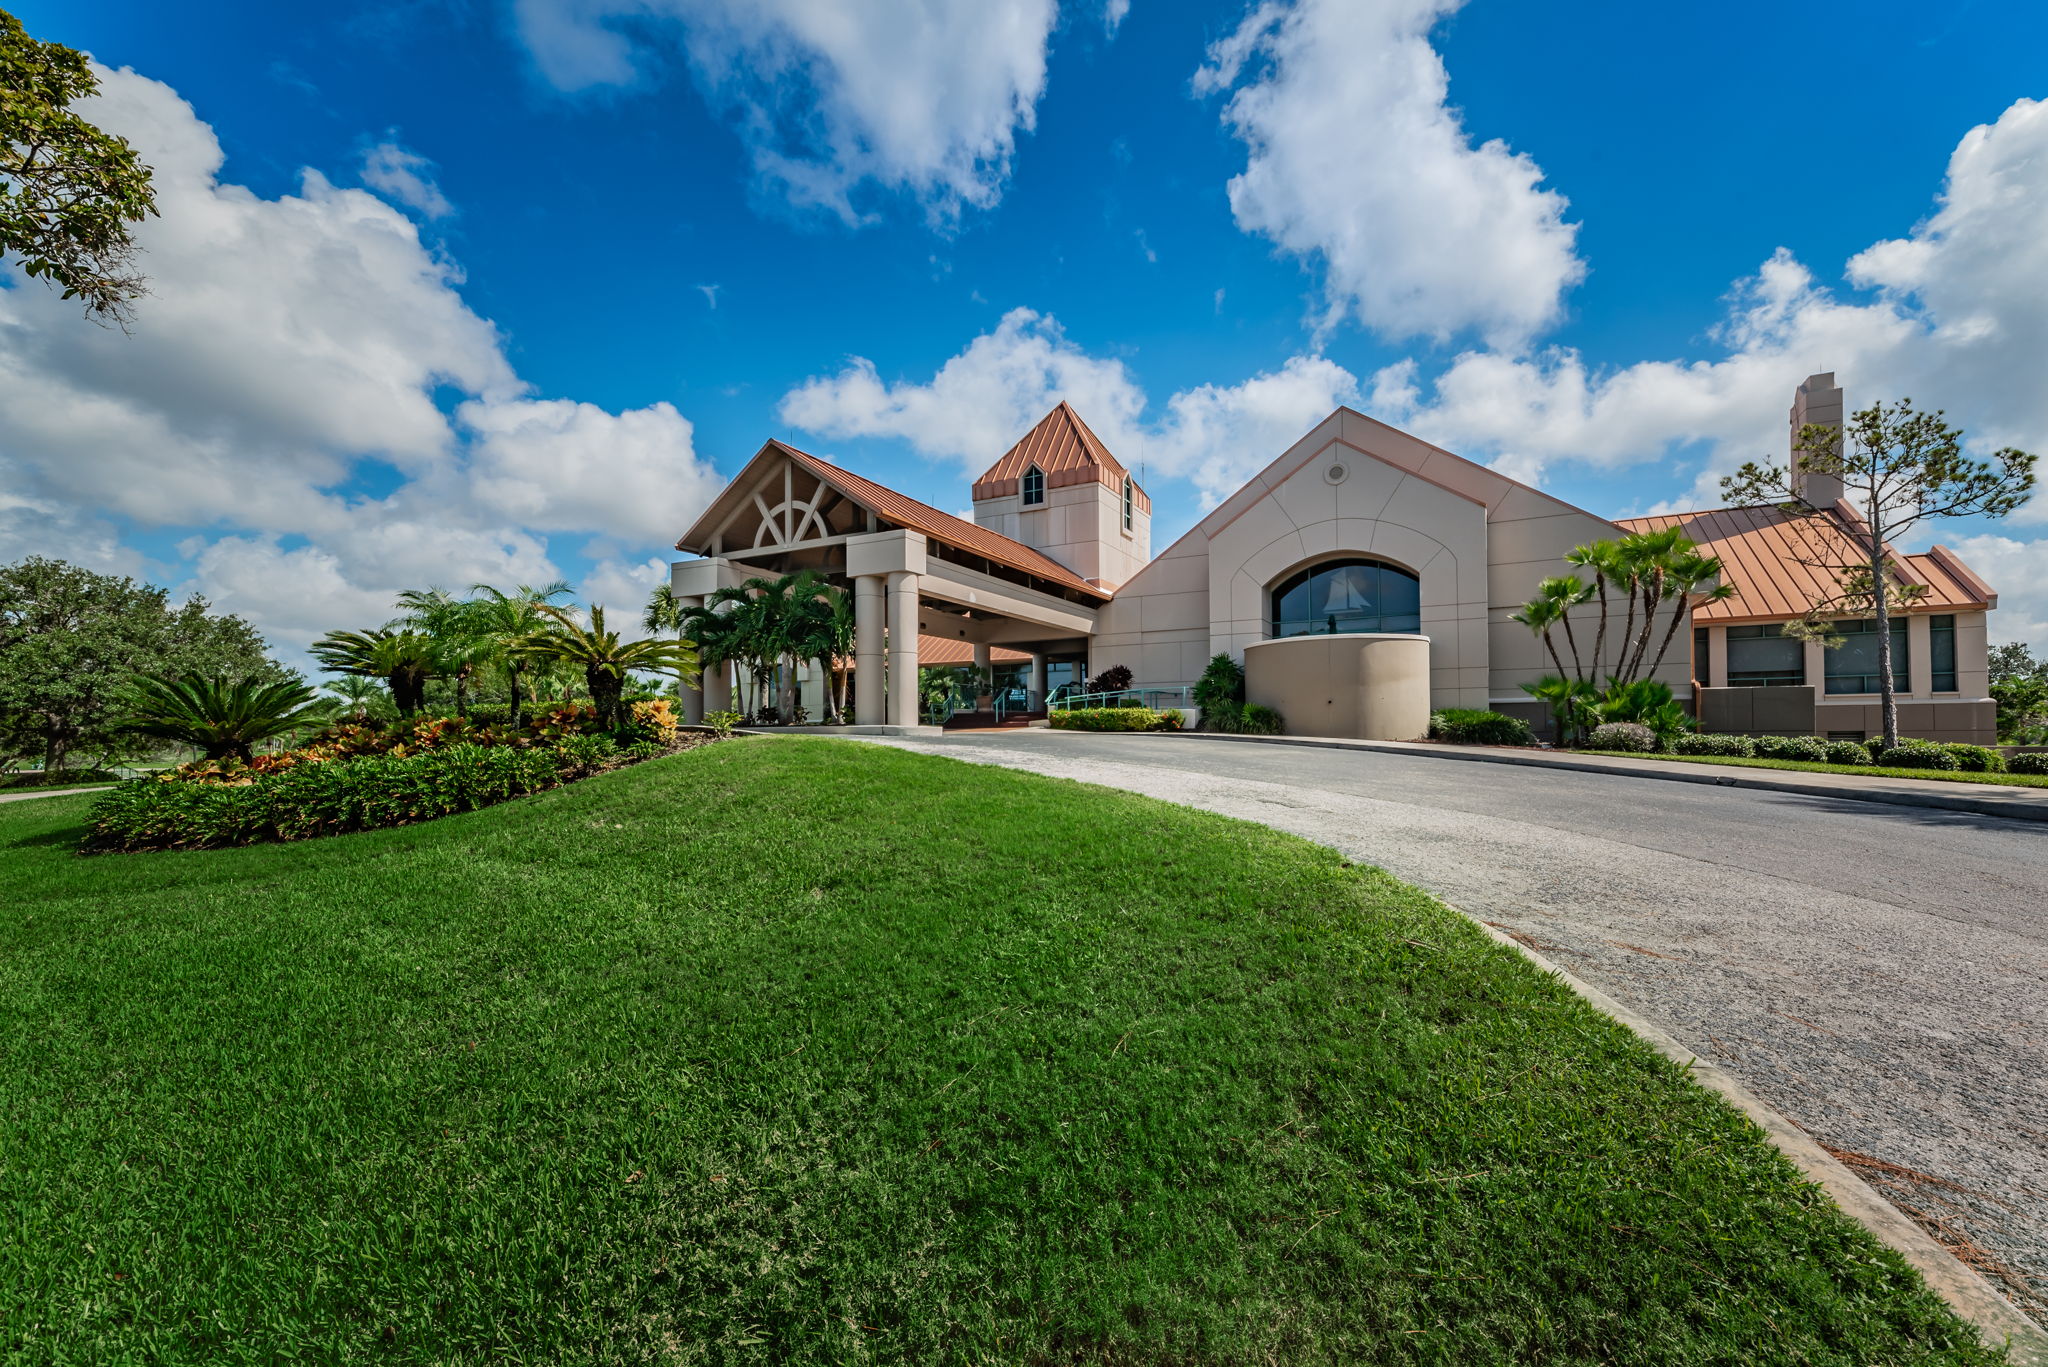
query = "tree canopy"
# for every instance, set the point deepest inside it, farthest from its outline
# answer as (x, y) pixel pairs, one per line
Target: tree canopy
(68, 190)
(72, 641)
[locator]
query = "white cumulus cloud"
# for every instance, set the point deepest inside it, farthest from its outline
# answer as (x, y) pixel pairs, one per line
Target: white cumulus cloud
(407, 177)
(827, 97)
(981, 401)
(1355, 160)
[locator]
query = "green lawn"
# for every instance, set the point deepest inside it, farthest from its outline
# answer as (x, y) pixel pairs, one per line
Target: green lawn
(804, 1051)
(1853, 770)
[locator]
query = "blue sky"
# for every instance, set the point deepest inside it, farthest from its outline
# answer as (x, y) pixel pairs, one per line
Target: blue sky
(504, 290)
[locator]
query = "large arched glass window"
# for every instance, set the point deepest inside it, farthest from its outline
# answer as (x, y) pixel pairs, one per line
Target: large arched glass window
(1347, 595)
(1034, 486)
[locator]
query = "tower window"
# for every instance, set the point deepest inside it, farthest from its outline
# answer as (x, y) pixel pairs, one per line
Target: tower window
(1034, 487)
(1129, 503)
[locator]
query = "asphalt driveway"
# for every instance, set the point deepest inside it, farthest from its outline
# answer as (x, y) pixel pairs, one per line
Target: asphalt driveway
(1878, 973)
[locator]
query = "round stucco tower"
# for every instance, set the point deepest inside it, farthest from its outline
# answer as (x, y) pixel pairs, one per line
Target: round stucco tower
(1367, 685)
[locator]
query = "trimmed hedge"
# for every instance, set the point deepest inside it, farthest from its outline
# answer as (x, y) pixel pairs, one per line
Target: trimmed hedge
(1804, 749)
(1848, 752)
(1975, 759)
(1711, 743)
(2028, 762)
(1110, 719)
(1917, 754)
(1476, 726)
(1623, 735)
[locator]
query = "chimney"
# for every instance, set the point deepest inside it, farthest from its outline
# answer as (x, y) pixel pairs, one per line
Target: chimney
(1819, 400)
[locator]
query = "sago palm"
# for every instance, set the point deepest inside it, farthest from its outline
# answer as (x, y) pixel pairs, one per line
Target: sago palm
(223, 718)
(503, 620)
(404, 660)
(605, 658)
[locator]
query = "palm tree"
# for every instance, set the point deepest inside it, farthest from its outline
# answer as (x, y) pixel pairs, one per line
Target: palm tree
(1685, 579)
(222, 718)
(502, 620)
(826, 634)
(711, 627)
(1541, 615)
(404, 660)
(1599, 557)
(353, 692)
(606, 660)
(452, 624)
(1567, 591)
(1568, 699)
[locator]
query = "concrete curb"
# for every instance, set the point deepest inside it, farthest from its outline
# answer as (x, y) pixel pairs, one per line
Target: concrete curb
(1712, 775)
(1999, 1322)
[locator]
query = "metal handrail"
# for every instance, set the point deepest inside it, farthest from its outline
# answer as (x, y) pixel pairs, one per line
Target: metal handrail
(1158, 699)
(1016, 700)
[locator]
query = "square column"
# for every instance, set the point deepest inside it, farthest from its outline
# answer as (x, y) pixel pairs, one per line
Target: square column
(1919, 654)
(903, 700)
(869, 591)
(693, 694)
(1037, 684)
(983, 684)
(715, 688)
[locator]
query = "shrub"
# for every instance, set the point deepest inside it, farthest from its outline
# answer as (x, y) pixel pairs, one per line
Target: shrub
(1115, 679)
(1805, 749)
(2027, 762)
(1475, 726)
(1106, 719)
(653, 720)
(363, 793)
(1259, 720)
(582, 755)
(1919, 754)
(722, 723)
(1739, 747)
(1848, 752)
(1220, 689)
(1225, 715)
(1623, 735)
(1172, 719)
(1975, 759)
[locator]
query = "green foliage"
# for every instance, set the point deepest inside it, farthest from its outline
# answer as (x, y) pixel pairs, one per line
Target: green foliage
(2027, 762)
(582, 755)
(1260, 720)
(1917, 754)
(2019, 686)
(1476, 726)
(605, 659)
(1623, 735)
(68, 190)
(1570, 701)
(1651, 572)
(1173, 719)
(704, 1059)
(1714, 744)
(71, 641)
(1847, 752)
(222, 718)
(1221, 687)
(722, 723)
(1106, 719)
(1808, 749)
(1976, 759)
(71, 778)
(1648, 702)
(403, 660)
(1115, 679)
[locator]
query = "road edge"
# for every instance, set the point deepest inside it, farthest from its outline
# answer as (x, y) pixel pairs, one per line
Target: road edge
(1717, 776)
(2000, 1323)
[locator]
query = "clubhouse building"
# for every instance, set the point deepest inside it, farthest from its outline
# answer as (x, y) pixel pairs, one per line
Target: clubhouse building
(1363, 578)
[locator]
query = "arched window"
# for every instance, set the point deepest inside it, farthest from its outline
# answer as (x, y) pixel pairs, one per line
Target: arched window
(1129, 503)
(1347, 595)
(1034, 487)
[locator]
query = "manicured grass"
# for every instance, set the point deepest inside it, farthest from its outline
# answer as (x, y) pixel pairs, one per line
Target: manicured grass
(1853, 770)
(804, 1051)
(6, 788)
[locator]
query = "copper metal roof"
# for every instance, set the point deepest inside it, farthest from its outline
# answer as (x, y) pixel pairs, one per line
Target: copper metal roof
(944, 650)
(905, 511)
(1767, 554)
(1063, 447)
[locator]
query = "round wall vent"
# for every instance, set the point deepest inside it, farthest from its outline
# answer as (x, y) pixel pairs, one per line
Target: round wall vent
(1336, 473)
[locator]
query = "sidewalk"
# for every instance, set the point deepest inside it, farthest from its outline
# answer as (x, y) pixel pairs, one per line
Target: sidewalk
(47, 792)
(2020, 804)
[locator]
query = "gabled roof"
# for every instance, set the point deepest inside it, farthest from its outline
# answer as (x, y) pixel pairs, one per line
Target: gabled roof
(902, 511)
(1767, 553)
(1067, 451)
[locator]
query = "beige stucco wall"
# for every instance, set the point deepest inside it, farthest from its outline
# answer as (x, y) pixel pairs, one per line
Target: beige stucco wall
(1350, 684)
(1478, 542)
(1079, 525)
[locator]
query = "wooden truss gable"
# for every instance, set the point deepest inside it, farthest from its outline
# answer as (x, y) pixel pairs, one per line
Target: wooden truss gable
(774, 503)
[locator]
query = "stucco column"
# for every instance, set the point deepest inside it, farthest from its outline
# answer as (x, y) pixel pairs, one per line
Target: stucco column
(1817, 668)
(1920, 654)
(693, 694)
(1037, 684)
(715, 689)
(902, 648)
(983, 683)
(1717, 648)
(869, 591)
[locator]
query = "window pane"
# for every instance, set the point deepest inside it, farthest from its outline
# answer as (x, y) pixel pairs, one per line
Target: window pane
(1852, 666)
(1400, 600)
(1765, 657)
(1941, 651)
(1345, 596)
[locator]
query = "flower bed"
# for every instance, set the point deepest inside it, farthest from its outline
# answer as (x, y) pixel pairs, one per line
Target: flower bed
(357, 778)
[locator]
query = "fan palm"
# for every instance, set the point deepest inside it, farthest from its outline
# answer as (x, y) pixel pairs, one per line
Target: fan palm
(502, 620)
(1570, 701)
(605, 659)
(404, 660)
(222, 718)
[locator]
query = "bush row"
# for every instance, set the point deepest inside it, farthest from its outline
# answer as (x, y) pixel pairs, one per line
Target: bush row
(1476, 726)
(1907, 754)
(1115, 719)
(337, 796)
